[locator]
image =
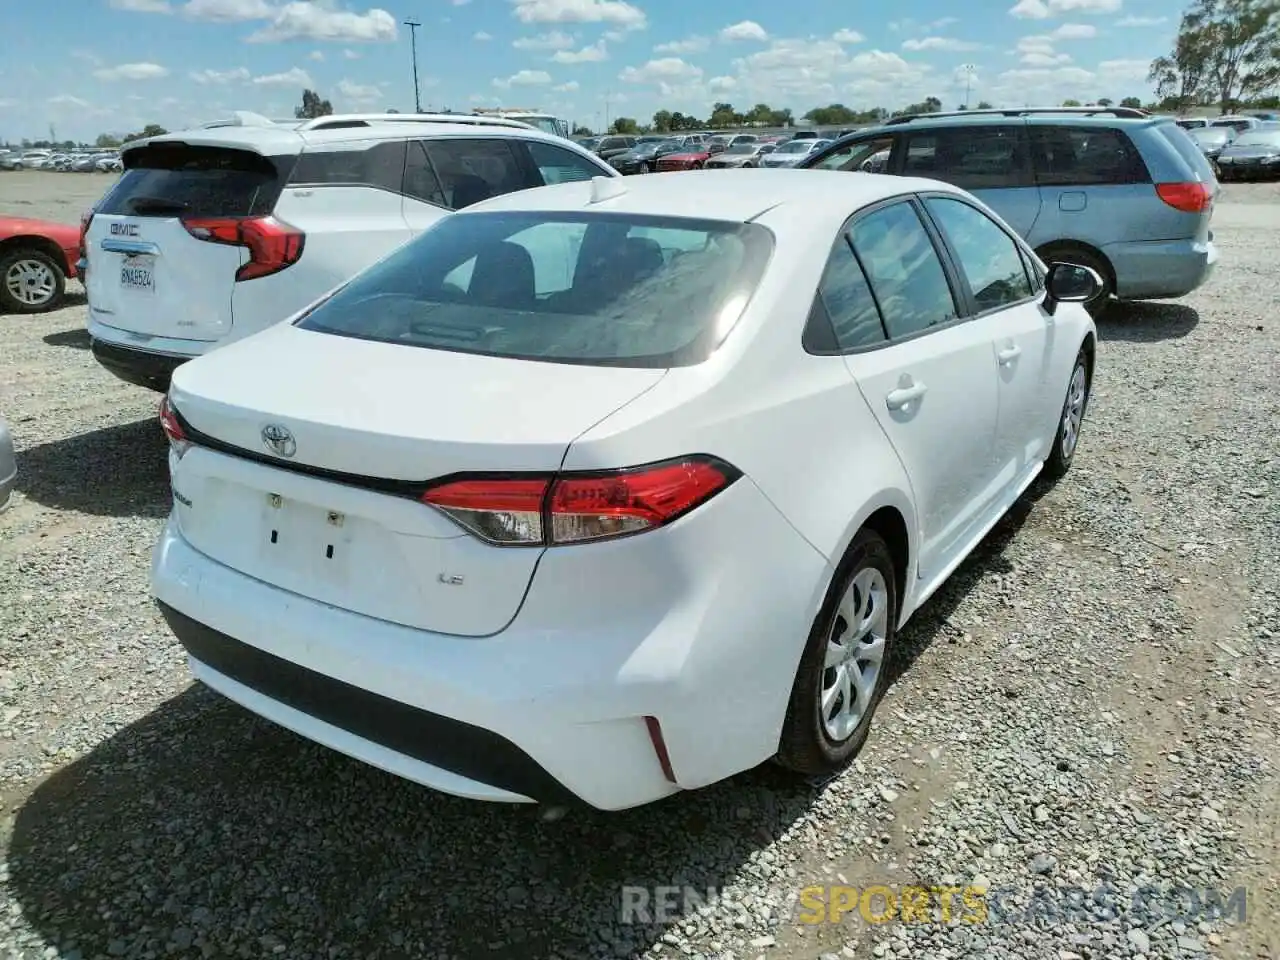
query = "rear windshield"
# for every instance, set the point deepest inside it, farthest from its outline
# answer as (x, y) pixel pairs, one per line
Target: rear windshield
(1258, 138)
(796, 146)
(167, 180)
(587, 288)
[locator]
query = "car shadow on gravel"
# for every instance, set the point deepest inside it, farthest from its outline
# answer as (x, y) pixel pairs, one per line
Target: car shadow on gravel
(1147, 322)
(77, 337)
(204, 828)
(120, 471)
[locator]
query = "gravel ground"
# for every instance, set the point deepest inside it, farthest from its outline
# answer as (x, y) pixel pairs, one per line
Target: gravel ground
(1090, 705)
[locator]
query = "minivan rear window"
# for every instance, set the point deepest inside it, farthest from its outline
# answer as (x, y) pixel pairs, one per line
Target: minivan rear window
(175, 179)
(603, 289)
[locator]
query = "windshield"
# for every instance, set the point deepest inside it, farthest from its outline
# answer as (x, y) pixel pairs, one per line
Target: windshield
(743, 148)
(796, 146)
(1258, 138)
(1205, 135)
(591, 288)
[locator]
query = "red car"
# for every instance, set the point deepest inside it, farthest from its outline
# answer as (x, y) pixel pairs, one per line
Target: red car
(36, 258)
(692, 160)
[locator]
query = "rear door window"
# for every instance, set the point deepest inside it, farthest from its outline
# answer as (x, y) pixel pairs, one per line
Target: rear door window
(1067, 156)
(168, 180)
(970, 157)
(472, 170)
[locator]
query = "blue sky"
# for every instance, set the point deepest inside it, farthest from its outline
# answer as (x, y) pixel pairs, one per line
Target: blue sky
(115, 65)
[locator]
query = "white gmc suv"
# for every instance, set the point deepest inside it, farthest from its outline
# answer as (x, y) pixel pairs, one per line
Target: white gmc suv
(216, 233)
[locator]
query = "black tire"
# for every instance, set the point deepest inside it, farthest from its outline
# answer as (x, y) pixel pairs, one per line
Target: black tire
(1068, 253)
(9, 302)
(806, 746)
(1064, 448)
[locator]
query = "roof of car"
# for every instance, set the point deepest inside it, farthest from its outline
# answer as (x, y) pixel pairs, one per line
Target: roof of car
(732, 195)
(284, 139)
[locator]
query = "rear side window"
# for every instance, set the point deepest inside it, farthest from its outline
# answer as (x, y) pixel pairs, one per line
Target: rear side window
(470, 171)
(970, 157)
(557, 165)
(845, 316)
(168, 180)
(588, 288)
(374, 165)
(1068, 156)
(1190, 151)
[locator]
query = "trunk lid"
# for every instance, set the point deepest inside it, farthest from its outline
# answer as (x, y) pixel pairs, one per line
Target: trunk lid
(147, 273)
(390, 413)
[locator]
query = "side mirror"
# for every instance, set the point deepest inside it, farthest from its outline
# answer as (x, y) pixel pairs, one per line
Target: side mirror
(1070, 283)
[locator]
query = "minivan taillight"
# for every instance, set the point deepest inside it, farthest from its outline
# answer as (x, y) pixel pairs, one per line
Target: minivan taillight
(86, 218)
(1188, 197)
(580, 507)
(273, 244)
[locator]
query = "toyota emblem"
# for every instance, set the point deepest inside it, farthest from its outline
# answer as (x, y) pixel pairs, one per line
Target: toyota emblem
(279, 440)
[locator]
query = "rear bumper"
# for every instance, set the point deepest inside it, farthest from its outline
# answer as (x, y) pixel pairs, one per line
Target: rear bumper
(554, 707)
(149, 363)
(1156, 270)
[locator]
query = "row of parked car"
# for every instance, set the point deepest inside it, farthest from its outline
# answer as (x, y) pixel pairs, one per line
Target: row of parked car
(694, 151)
(100, 162)
(1239, 147)
(457, 492)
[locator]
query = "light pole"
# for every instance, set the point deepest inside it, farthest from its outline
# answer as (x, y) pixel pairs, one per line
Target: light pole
(968, 69)
(606, 112)
(413, 26)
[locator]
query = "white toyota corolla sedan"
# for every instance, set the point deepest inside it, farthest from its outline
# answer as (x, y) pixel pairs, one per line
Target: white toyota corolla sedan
(612, 489)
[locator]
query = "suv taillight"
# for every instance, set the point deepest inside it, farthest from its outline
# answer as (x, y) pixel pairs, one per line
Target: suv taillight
(86, 218)
(580, 507)
(1188, 197)
(273, 244)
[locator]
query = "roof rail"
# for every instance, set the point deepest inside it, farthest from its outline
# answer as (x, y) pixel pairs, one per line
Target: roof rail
(1126, 113)
(338, 121)
(240, 118)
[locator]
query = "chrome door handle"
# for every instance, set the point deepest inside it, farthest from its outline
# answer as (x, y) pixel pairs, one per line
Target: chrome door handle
(1008, 355)
(897, 399)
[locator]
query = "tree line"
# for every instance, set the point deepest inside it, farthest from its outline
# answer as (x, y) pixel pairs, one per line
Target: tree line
(1226, 54)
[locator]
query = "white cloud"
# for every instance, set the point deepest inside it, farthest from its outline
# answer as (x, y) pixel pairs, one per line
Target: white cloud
(688, 45)
(555, 40)
(227, 11)
(938, 43)
(915, 26)
(580, 11)
(594, 53)
(524, 78)
(350, 55)
(132, 71)
(615, 36)
(142, 6)
(746, 30)
(1141, 21)
(297, 77)
(1075, 31)
(304, 20)
(847, 36)
(359, 93)
(569, 87)
(221, 77)
(822, 71)
(722, 84)
(317, 55)
(482, 36)
(1043, 9)
(663, 70)
(1036, 58)
(66, 100)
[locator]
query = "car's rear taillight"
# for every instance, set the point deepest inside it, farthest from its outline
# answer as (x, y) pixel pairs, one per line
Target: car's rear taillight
(580, 507)
(273, 244)
(1188, 197)
(86, 218)
(172, 428)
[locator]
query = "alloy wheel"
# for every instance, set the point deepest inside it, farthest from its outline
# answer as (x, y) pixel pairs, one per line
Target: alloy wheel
(855, 654)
